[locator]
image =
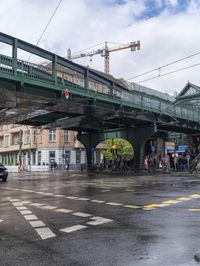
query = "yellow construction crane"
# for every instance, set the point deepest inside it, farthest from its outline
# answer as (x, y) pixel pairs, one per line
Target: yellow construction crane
(105, 52)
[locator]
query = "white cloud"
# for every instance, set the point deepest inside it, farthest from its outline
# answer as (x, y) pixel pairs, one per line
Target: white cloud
(82, 23)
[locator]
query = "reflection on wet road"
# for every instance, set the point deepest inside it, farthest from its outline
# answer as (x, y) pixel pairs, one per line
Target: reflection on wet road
(73, 219)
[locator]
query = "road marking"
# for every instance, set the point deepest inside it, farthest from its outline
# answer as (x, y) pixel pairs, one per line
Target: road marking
(129, 190)
(45, 233)
(163, 205)
(26, 212)
(96, 220)
(17, 204)
(106, 190)
(59, 195)
(171, 201)
(132, 206)
(64, 210)
(114, 203)
(83, 199)
(1, 220)
(20, 208)
(99, 220)
(183, 198)
(81, 214)
(150, 206)
(37, 223)
(98, 201)
(47, 207)
(36, 204)
(14, 200)
(73, 228)
(79, 198)
(195, 196)
(30, 217)
(194, 210)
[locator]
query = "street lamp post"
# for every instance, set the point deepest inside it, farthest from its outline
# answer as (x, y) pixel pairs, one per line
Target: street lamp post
(20, 148)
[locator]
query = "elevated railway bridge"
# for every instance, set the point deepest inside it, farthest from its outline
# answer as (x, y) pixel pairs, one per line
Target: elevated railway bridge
(33, 94)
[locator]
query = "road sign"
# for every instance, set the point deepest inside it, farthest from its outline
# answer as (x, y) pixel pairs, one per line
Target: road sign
(66, 94)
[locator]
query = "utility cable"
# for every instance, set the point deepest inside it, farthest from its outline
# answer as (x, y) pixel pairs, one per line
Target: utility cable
(168, 73)
(88, 48)
(171, 63)
(47, 25)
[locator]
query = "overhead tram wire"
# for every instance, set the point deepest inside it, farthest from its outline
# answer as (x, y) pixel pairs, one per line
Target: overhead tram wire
(168, 73)
(93, 46)
(169, 64)
(47, 25)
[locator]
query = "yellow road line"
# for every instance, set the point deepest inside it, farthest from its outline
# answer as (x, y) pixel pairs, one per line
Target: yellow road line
(151, 206)
(170, 201)
(183, 198)
(195, 196)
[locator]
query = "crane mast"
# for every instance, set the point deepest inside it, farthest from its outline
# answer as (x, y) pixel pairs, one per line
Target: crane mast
(105, 52)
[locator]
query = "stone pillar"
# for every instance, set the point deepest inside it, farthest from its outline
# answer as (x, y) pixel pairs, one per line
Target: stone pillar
(87, 139)
(137, 137)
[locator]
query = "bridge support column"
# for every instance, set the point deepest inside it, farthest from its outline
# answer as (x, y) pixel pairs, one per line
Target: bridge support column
(89, 141)
(137, 137)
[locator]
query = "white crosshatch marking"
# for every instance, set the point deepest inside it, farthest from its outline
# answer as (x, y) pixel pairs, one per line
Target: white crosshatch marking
(30, 217)
(47, 207)
(37, 223)
(21, 208)
(81, 214)
(36, 204)
(99, 220)
(45, 233)
(64, 210)
(73, 228)
(25, 212)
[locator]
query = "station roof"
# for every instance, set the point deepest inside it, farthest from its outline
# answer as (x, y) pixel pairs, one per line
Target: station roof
(190, 94)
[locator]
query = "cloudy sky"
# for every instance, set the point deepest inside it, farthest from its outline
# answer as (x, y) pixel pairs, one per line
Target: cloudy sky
(167, 29)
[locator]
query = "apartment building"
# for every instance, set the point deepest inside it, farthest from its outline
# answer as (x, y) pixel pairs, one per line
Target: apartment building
(39, 146)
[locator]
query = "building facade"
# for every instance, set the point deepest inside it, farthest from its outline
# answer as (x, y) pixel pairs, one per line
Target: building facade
(37, 146)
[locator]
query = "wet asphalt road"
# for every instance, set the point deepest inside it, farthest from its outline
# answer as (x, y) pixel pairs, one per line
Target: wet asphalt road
(73, 219)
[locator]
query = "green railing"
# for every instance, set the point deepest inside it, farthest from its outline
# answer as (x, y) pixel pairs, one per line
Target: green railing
(138, 99)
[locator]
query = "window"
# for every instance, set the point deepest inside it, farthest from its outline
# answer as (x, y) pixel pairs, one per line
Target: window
(52, 156)
(67, 157)
(39, 157)
(27, 137)
(34, 158)
(34, 136)
(78, 156)
(41, 135)
(6, 141)
(66, 136)
(52, 135)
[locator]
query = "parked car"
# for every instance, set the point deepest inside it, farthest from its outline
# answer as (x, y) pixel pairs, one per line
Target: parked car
(3, 172)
